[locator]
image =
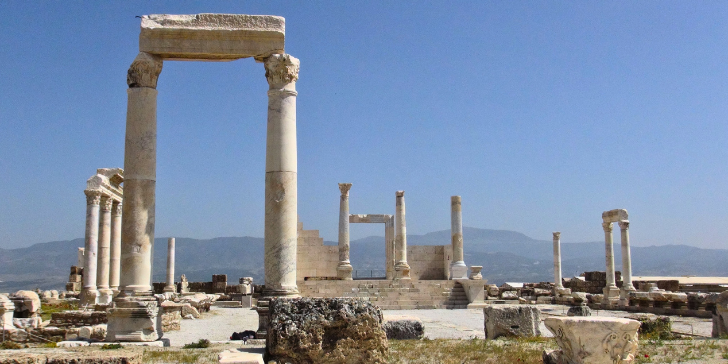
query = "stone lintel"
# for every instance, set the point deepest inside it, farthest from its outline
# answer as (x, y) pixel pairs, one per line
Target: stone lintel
(369, 218)
(615, 215)
(212, 37)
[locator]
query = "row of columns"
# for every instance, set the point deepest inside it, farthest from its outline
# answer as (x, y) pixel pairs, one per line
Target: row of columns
(610, 291)
(458, 269)
(102, 248)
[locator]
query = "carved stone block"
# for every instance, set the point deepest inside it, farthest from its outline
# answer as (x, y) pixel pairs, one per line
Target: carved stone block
(592, 340)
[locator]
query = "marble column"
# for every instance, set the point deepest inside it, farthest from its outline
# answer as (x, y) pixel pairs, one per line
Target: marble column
(281, 168)
(458, 269)
(135, 312)
(626, 261)
(170, 266)
(115, 253)
(389, 246)
(401, 268)
(611, 289)
(558, 284)
(89, 293)
(102, 268)
(344, 269)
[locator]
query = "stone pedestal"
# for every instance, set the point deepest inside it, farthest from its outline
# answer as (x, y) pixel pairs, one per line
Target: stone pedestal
(344, 269)
(475, 291)
(134, 319)
(592, 340)
(475, 272)
(401, 268)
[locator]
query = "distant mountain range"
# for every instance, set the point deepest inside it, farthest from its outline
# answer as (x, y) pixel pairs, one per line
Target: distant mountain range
(505, 256)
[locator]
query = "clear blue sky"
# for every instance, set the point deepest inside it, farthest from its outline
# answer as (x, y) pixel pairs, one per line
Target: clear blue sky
(540, 114)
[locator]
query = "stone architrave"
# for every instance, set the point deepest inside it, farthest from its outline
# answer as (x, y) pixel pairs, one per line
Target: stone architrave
(401, 268)
(388, 221)
(281, 199)
(610, 291)
(344, 268)
(170, 287)
(627, 285)
(115, 254)
(89, 292)
(592, 340)
(458, 269)
(104, 259)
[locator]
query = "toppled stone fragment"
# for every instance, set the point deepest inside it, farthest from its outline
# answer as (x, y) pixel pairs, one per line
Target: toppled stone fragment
(581, 310)
(512, 321)
(592, 340)
(403, 327)
(325, 330)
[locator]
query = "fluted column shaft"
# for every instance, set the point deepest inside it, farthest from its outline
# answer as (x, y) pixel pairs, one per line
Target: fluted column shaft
(115, 251)
(344, 268)
(281, 161)
(102, 276)
(140, 175)
(557, 260)
(89, 294)
(401, 268)
(169, 287)
(626, 257)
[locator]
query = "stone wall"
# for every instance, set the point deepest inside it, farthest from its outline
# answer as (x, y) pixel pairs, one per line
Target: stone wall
(314, 259)
(77, 318)
(594, 282)
(427, 262)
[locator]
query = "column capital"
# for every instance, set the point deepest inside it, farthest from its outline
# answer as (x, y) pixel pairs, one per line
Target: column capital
(557, 235)
(399, 194)
(106, 202)
(455, 200)
(281, 70)
(144, 71)
(607, 226)
(93, 197)
(116, 208)
(344, 188)
(624, 224)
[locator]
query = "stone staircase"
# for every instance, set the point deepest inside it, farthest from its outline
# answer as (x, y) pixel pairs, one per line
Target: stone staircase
(392, 294)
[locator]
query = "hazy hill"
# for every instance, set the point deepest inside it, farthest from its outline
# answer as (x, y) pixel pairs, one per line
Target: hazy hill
(504, 255)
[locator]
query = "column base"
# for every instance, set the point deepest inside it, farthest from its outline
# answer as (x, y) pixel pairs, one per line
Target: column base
(402, 271)
(105, 296)
(290, 292)
(135, 319)
(89, 297)
(262, 309)
(343, 271)
(458, 270)
(610, 292)
(170, 289)
(624, 292)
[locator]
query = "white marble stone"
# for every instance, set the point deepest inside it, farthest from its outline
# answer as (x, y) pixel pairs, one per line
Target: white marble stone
(344, 268)
(135, 319)
(80, 260)
(558, 284)
(627, 285)
(610, 291)
(212, 37)
(89, 292)
(281, 196)
(170, 287)
(458, 269)
(115, 251)
(104, 252)
(7, 308)
(593, 340)
(401, 268)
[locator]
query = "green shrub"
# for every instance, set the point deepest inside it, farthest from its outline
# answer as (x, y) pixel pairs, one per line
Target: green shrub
(201, 344)
(111, 346)
(659, 328)
(9, 345)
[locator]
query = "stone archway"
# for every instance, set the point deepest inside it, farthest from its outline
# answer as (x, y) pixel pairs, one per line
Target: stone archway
(203, 37)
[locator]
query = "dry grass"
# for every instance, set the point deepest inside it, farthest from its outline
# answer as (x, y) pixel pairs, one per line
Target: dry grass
(47, 309)
(681, 351)
(442, 351)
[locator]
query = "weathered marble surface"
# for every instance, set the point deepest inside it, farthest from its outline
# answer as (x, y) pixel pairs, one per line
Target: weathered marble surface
(511, 321)
(592, 340)
(212, 37)
(7, 308)
(400, 327)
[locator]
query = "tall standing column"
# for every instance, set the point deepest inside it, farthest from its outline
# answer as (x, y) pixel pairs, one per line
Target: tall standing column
(458, 269)
(626, 260)
(281, 168)
(401, 268)
(611, 289)
(115, 254)
(557, 261)
(134, 317)
(344, 269)
(102, 277)
(89, 294)
(389, 246)
(170, 266)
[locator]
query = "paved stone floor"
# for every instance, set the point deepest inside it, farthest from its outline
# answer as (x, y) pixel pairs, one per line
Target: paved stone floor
(220, 323)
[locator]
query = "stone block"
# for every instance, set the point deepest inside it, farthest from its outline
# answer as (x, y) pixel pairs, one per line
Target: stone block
(511, 321)
(27, 303)
(509, 295)
(92, 333)
(325, 330)
(238, 356)
(581, 310)
(134, 319)
(7, 309)
(592, 340)
(220, 37)
(400, 327)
